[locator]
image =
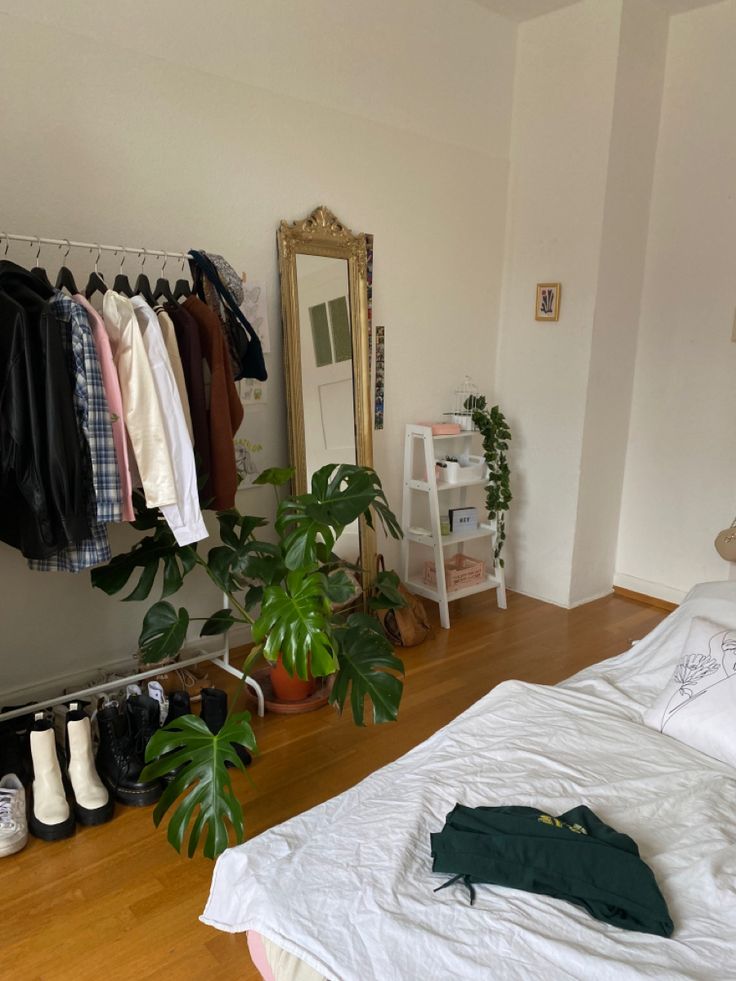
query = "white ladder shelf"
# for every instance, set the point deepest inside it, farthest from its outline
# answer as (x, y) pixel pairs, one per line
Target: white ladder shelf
(434, 539)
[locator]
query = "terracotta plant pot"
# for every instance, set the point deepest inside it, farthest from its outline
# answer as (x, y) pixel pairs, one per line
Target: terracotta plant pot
(288, 688)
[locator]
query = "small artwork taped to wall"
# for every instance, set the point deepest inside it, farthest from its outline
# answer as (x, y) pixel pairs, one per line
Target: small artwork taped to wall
(548, 301)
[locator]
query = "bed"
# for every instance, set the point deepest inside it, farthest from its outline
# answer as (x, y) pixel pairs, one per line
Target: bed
(371, 913)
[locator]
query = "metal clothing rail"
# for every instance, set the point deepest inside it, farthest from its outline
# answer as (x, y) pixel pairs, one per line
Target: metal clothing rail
(90, 246)
(220, 659)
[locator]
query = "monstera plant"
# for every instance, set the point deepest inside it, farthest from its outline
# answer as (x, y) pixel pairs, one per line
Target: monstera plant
(287, 591)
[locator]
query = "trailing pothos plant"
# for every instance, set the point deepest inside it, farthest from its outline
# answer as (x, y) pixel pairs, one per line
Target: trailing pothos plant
(287, 591)
(496, 438)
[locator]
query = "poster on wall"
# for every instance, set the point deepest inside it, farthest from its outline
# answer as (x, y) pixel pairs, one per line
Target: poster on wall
(252, 392)
(255, 308)
(247, 461)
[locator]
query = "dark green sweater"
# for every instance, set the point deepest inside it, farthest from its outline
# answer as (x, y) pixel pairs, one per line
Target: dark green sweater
(575, 857)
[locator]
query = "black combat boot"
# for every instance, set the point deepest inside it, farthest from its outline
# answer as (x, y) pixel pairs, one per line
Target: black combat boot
(119, 764)
(214, 712)
(144, 718)
(179, 704)
(14, 756)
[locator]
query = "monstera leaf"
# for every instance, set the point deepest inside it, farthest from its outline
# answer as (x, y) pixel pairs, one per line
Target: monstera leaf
(208, 803)
(164, 632)
(366, 659)
(147, 555)
(218, 623)
(258, 561)
(237, 528)
(340, 587)
(385, 592)
(341, 493)
(276, 476)
(295, 622)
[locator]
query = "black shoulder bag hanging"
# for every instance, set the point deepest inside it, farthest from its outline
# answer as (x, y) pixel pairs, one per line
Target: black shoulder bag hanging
(252, 364)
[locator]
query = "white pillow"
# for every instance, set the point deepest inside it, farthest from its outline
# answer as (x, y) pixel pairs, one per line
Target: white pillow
(698, 706)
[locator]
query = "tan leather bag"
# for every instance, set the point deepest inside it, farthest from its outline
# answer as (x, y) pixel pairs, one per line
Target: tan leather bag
(725, 543)
(408, 625)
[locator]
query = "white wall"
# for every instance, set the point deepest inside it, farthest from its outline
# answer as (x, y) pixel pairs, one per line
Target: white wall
(176, 124)
(680, 484)
(564, 94)
(635, 125)
(586, 110)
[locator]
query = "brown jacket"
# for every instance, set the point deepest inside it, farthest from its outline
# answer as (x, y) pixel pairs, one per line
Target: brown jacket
(226, 410)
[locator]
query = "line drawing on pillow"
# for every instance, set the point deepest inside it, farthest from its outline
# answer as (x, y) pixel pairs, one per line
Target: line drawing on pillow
(694, 668)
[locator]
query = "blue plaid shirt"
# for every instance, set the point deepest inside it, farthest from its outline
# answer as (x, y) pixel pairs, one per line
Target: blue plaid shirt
(100, 469)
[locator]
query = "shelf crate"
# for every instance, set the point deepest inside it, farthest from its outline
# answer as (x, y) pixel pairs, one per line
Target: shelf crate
(460, 571)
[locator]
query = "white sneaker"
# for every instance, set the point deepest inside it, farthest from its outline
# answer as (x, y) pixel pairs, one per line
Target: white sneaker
(156, 691)
(13, 824)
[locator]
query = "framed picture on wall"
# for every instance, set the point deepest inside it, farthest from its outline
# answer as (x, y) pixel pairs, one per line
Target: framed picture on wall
(548, 301)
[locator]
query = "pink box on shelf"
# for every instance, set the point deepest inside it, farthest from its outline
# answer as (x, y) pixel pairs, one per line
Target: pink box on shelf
(442, 428)
(460, 571)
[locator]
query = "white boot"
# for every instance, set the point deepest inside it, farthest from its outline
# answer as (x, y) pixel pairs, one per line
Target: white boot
(51, 818)
(92, 801)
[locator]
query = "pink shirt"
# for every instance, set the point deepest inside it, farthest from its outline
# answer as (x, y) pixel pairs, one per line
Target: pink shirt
(111, 384)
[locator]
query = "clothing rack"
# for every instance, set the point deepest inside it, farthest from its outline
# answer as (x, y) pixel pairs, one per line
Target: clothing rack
(91, 246)
(220, 659)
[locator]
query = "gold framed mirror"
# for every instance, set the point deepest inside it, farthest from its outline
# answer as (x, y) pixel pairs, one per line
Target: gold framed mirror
(324, 305)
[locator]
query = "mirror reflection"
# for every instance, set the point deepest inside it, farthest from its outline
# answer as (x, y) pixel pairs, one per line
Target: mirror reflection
(326, 346)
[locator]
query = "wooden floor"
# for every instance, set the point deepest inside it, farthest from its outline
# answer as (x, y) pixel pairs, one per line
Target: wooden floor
(116, 902)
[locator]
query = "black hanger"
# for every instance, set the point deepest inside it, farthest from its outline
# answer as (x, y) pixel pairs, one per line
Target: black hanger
(41, 274)
(122, 283)
(38, 272)
(162, 288)
(95, 283)
(143, 286)
(182, 288)
(65, 279)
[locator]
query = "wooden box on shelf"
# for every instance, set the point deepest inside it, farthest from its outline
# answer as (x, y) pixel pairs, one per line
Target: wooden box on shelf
(460, 571)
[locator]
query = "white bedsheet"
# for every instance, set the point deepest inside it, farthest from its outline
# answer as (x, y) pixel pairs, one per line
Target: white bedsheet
(348, 886)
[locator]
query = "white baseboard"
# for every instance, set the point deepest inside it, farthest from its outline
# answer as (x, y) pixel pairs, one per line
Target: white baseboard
(657, 589)
(537, 596)
(562, 606)
(53, 687)
(592, 598)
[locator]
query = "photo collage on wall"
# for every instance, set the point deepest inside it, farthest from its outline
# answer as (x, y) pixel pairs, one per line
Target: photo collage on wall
(378, 364)
(253, 438)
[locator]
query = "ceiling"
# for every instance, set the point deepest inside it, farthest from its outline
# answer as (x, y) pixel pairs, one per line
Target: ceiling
(526, 9)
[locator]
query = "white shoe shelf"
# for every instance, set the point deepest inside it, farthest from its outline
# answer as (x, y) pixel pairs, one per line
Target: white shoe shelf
(421, 438)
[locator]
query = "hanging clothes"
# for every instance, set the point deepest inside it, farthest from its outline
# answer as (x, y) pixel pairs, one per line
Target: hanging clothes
(190, 352)
(25, 516)
(184, 517)
(42, 492)
(169, 335)
(99, 463)
(225, 407)
(143, 416)
(244, 344)
(89, 393)
(111, 385)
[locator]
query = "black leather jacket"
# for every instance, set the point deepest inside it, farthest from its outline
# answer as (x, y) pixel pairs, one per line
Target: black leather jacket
(42, 494)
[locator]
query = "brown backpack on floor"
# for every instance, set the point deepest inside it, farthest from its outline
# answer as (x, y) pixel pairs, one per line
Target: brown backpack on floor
(407, 626)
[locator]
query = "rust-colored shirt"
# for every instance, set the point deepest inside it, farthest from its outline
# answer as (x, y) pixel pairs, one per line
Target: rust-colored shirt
(225, 409)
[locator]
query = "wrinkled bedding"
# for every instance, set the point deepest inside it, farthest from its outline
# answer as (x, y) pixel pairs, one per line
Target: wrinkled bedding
(370, 911)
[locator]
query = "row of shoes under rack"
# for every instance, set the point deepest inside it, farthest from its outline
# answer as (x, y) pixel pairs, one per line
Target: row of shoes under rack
(48, 787)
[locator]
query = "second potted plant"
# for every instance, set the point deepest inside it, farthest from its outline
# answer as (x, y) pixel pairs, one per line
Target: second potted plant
(287, 591)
